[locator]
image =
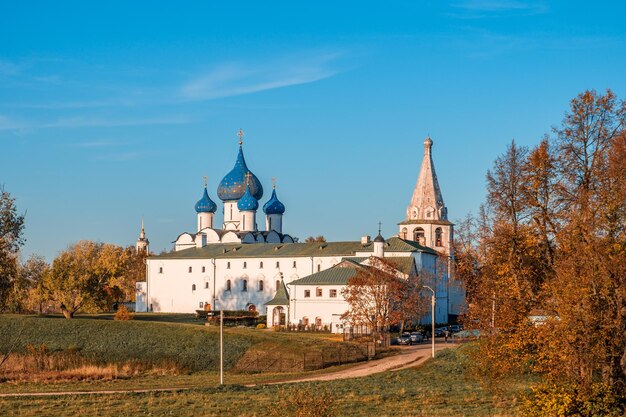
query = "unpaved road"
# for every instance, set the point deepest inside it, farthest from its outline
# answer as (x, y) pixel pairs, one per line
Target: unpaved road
(410, 356)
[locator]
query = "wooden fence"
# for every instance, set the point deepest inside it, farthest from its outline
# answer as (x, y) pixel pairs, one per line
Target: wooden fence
(263, 361)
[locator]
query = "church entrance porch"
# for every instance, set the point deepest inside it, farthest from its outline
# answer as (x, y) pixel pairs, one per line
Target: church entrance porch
(279, 316)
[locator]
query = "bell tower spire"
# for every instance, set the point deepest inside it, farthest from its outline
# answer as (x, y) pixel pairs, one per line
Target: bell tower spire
(427, 216)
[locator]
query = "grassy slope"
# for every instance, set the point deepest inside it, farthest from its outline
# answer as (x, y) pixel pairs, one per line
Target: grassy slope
(151, 339)
(439, 388)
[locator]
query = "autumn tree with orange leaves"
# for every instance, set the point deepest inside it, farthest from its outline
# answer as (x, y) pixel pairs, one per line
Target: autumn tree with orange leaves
(380, 296)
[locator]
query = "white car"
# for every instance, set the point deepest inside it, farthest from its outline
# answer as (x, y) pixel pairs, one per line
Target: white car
(417, 337)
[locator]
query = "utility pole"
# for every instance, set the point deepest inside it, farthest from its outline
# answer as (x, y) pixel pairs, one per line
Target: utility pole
(432, 320)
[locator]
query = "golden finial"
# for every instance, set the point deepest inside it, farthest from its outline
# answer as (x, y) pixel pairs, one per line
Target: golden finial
(248, 175)
(205, 179)
(274, 182)
(240, 134)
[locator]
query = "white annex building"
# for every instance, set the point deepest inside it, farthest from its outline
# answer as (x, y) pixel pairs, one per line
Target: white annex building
(236, 266)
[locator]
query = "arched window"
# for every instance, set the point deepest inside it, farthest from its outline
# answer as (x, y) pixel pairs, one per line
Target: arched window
(261, 265)
(245, 265)
(438, 237)
(319, 267)
(294, 264)
(418, 236)
(261, 285)
(318, 322)
(227, 265)
(305, 321)
(404, 233)
(244, 285)
(228, 287)
(193, 287)
(206, 285)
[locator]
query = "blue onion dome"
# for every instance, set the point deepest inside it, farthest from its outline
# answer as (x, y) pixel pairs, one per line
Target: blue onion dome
(205, 204)
(233, 185)
(274, 206)
(248, 202)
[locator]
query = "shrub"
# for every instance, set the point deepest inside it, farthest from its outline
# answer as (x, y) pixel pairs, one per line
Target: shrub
(566, 400)
(123, 314)
(260, 326)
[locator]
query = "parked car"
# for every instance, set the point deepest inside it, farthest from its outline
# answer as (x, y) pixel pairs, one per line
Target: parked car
(439, 331)
(465, 335)
(417, 337)
(404, 339)
(455, 328)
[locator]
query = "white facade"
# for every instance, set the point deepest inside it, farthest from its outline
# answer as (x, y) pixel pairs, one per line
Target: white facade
(238, 267)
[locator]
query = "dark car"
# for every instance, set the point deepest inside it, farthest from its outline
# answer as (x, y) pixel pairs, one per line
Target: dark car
(455, 328)
(439, 331)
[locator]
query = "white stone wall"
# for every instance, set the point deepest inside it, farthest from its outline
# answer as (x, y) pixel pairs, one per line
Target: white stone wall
(170, 284)
(325, 308)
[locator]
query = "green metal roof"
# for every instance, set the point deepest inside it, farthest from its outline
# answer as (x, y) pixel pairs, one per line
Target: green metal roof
(277, 250)
(331, 276)
(281, 298)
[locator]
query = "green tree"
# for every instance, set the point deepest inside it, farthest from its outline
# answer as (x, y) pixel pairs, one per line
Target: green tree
(84, 277)
(11, 239)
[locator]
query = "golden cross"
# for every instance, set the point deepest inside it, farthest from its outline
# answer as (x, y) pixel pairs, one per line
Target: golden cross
(240, 134)
(248, 178)
(274, 182)
(205, 178)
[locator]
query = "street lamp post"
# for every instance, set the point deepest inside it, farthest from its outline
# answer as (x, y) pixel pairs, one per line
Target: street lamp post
(432, 320)
(222, 347)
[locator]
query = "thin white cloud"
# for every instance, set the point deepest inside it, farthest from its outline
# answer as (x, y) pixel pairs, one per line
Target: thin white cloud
(99, 122)
(7, 123)
(475, 9)
(9, 68)
(244, 78)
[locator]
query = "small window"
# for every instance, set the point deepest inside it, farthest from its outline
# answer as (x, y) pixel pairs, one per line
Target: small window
(228, 285)
(203, 269)
(318, 292)
(160, 270)
(206, 285)
(319, 267)
(190, 269)
(277, 284)
(193, 287)
(277, 264)
(332, 293)
(245, 265)
(227, 265)
(294, 264)
(261, 285)
(260, 265)
(201, 305)
(244, 285)
(307, 293)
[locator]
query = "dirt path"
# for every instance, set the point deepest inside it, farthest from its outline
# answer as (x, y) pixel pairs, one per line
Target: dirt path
(409, 357)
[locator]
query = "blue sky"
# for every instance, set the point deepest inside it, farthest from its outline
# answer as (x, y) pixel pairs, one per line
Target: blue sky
(113, 111)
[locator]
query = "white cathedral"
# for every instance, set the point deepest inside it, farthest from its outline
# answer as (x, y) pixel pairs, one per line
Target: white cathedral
(237, 266)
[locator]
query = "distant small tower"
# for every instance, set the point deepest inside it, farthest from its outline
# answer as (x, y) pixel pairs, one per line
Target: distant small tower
(247, 206)
(205, 207)
(143, 244)
(379, 243)
(274, 211)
